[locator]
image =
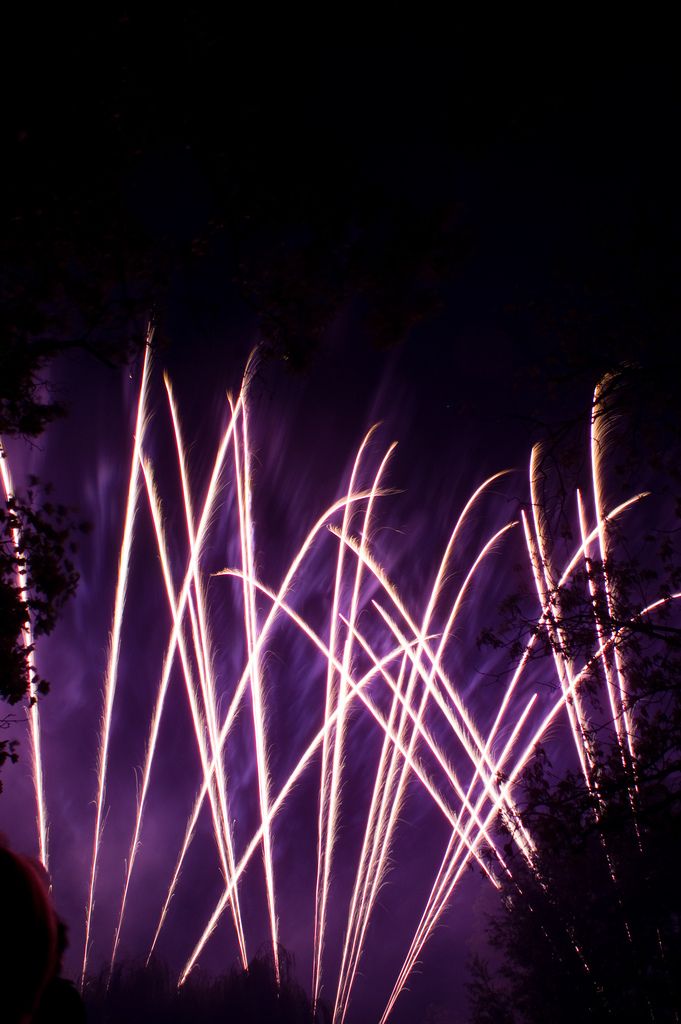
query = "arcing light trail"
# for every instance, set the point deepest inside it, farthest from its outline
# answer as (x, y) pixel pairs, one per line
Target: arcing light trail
(329, 781)
(405, 667)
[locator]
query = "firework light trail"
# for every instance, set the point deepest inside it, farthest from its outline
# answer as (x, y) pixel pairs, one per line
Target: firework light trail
(178, 610)
(538, 552)
(377, 835)
(600, 427)
(219, 810)
(278, 603)
(243, 489)
(205, 660)
(329, 779)
(356, 689)
(383, 662)
(115, 643)
(27, 637)
(380, 852)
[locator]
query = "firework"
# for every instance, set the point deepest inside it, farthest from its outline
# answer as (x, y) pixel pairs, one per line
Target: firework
(33, 710)
(393, 658)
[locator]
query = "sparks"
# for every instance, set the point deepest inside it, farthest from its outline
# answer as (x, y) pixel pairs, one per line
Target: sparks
(381, 654)
(115, 643)
(32, 710)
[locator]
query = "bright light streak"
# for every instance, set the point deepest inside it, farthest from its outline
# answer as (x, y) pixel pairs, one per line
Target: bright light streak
(370, 846)
(442, 889)
(206, 675)
(600, 421)
(177, 620)
(277, 804)
(373, 828)
(115, 645)
(241, 685)
(329, 815)
(513, 776)
(218, 809)
(526, 754)
(523, 840)
(414, 672)
(445, 885)
(33, 712)
(374, 867)
(424, 733)
(430, 690)
(525, 657)
(360, 908)
(546, 592)
(355, 688)
(243, 491)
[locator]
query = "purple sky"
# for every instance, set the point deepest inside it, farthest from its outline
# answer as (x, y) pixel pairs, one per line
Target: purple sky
(305, 432)
(566, 174)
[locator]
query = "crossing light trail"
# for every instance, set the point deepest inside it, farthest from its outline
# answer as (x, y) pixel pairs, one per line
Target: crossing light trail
(389, 684)
(111, 678)
(206, 670)
(331, 773)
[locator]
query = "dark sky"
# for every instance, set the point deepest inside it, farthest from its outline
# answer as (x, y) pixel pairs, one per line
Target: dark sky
(454, 242)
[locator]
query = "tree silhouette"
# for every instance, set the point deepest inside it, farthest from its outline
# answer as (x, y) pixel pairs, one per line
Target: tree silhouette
(590, 928)
(149, 993)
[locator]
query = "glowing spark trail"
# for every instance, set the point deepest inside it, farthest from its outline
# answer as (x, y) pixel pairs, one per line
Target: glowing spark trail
(114, 650)
(557, 644)
(446, 882)
(505, 793)
(241, 686)
(243, 489)
(387, 829)
(424, 733)
(469, 729)
(379, 652)
(330, 775)
(170, 652)
(522, 762)
(310, 750)
(206, 675)
(546, 592)
(355, 689)
(218, 808)
(32, 710)
(381, 779)
(618, 701)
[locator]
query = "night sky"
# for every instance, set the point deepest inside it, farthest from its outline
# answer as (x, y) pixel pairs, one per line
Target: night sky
(453, 244)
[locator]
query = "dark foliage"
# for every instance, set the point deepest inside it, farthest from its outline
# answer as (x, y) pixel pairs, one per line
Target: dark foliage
(595, 934)
(150, 994)
(593, 931)
(37, 577)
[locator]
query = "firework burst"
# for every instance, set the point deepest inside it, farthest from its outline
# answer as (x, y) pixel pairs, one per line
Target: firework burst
(380, 652)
